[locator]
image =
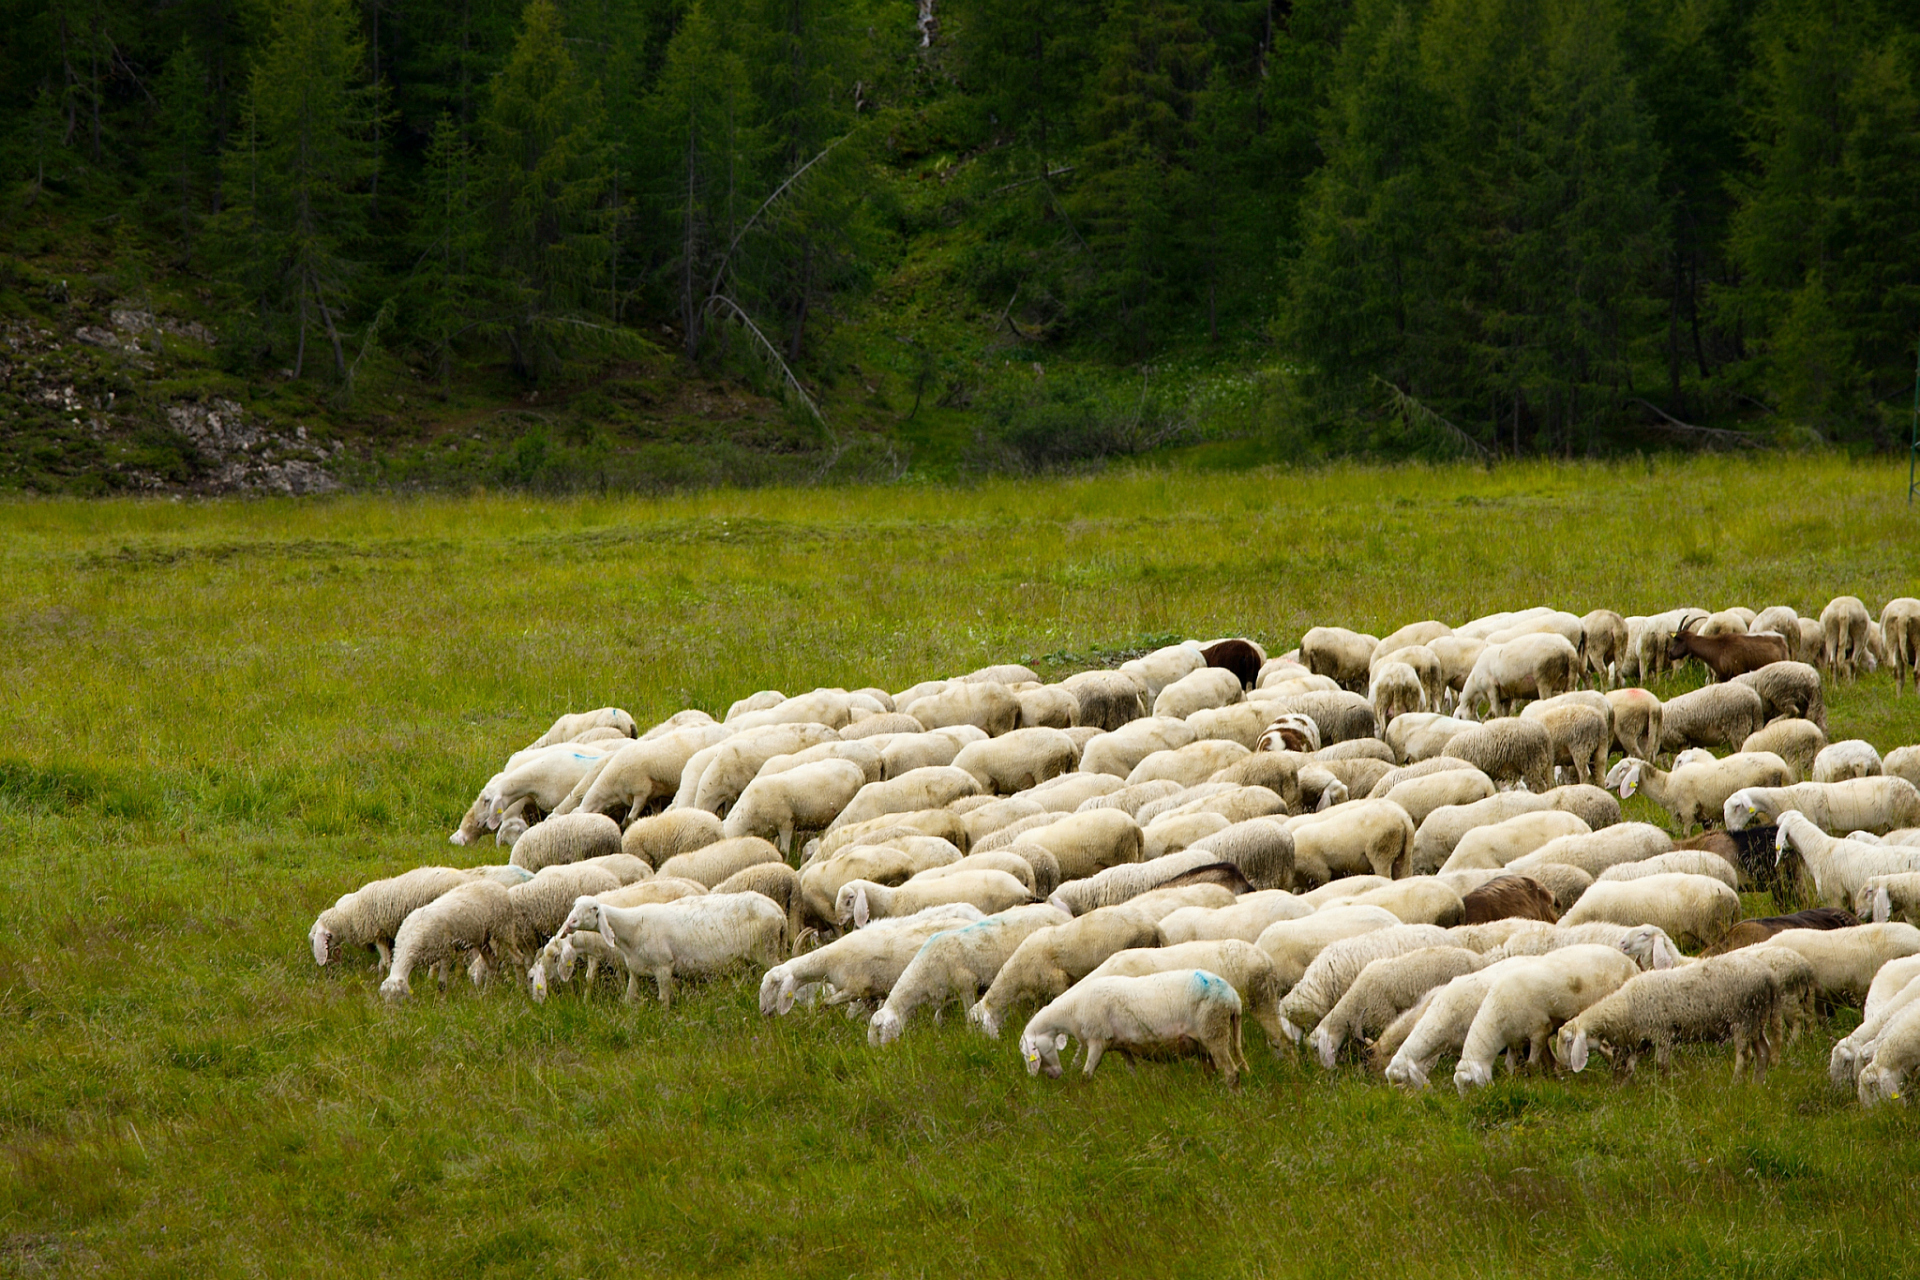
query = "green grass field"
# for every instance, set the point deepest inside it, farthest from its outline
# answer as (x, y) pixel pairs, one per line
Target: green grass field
(218, 717)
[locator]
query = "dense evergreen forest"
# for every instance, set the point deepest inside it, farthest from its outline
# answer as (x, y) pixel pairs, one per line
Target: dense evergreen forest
(1487, 226)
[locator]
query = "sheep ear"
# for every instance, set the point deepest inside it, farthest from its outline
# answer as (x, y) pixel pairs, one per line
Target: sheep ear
(860, 907)
(786, 994)
(322, 943)
(1060, 1042)
(1882, 905)
(1577, 1051)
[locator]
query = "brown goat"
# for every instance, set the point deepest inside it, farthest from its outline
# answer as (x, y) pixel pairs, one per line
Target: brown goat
(1236, 656)
(1728, 656)
(1504, 897)
(1750, 933)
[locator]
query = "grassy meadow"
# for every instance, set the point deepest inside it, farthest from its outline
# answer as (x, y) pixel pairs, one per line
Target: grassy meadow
(215, 718)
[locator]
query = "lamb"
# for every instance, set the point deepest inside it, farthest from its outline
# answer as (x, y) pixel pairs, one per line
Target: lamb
(1362, 835)
(1852, 758)
(711, 864)
(1716, 999)
(1891, 896)
(1293, 944)
(1639, 722)
(660, 837)
(1439, 1023)
(1508, 897)
(1530, 666)
(1693, 862)
(863, 966)
(464, 921)
(1335, 969)
(1189, 765)
(1089, 842)
(1844, 625)
(1199, 690)
(1504, 842)
(1115, 885)
(1162, 667)
(1878, 805)
(1788, 689)
(556, 960)
(1108, 699)
(1727, 656)
(1900, 628)
(1153, 1012)
(1683, 906)
(1508, 750)
(1118, 752)
(1720, 715)
(1383, 990)
(643, 772)
(1893, 990)
(955, 964)
(566, 838)
(1052, 959)
(1696, 793)
(1841, 868)
(371, 915)
(1895, 1053)
(1794, 740)
(568, 728)
(1530, 1003)
(1845, 960)
(1339, 654)
(986, 705)
(1018, 760)
(538, 908)
(1593, 853)
(917, 789)
(701, 934)
(989, 891)
(1247, 969)
(1395, 688)
(1606, 643)
(1245, 920)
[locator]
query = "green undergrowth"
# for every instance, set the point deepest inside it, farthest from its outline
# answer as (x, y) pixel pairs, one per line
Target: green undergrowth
(219, 716)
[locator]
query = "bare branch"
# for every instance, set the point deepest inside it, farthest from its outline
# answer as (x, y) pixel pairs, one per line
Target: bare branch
(719, 272)
(772, 353)
(1711, 435)
(1418, 415)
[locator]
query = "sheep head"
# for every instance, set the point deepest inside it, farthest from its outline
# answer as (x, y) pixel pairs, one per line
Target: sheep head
(884, 1028)
(323, 942)
(1324, 1045)
(585, 915)
(1570, 1048)
(1042, 1053)
(1472, 1075)
(984, 1018)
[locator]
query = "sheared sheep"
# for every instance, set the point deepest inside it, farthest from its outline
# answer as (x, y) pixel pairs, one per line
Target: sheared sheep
(1339, 654)
(715, 776)
(1720, 715)
(990, 891)
(1896, 1052)
(701, 934)
(1189, 765)
(1202, 689)
(1052, 959)
(1501, 843)
(863, 966)
(1415, 899)
(1840, 867)
(1530, 666)
(1158, 1011)
(1383, 990)
(1359, 836)
(1088, 842)
(1900, 629)
(1108, 699)
(955, 964)
(1018, 760)
(1683, 906)
(1115, 885)
(1852, 758)
(1788, 689)
(1893, 989)
(1528, 1004)
(986, 705)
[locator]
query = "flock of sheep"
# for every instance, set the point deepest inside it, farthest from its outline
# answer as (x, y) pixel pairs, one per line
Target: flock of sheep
(1330, 842)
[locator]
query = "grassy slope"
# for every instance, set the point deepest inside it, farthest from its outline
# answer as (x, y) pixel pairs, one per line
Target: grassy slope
(218, 717)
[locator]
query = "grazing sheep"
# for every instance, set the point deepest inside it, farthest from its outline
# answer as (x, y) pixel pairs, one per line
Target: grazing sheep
(507, 876)
(556, 960)
(1245, 920)
(955, 964)
(1845, 960)
(984, 815)
(1900, 629)
(1892, 991)
(1539, 665)
(371, 915)
(1131, 800)
(1439, 1023)
(1243, 723)
(1395, 688)
(1202, 689)
(701, 934)
(1051, 706)
(1749, 933)
(1420, 769)
(754, 702)
(808, 797)
(1794, 740)
(1720, 715)
(1579, 736)
(1595, 852)
(1693, 862)
(1383, 990)
(1639, 722)
(713, 863)
(930, 788)
(1155, 1012)
(1840, 867)
(1440, 834)
(1852, 758)
(1508, 897)
(1293, 944)
(1902, 762)
(1108, 699)
(1788, 689)
(1337, 966)
(942, 824)
(1235, 804)
(863, 966)
(1696, 793)
(1501, 843)
(1359, 836)
(1415, 899)
(1339, 654)
(1356, 774)
(1844, 625)
(545, 779)
(1720, 998)
(1052, 959)
(888, 725)
(1527, 1005)
(1162, 667)
(1089, 842)
(465, 921)
(864, 754)
(1418, 737)
(1017, 761)
(1727, 656)
(989, 890)
(987, 705)
(1878, 805)
(1011, 832)
(1508, 750)
(1648, 944)
(1896, 1052)
(1157, 904)
(1338, 716)
(1606, 644)
(1119, 752)
(676, 831)
(775, 881)
(1483, 939)
(539, 907)
(1683, 906)
(1070, 791)
(1337, 891)
(1889, 896)
(1189, 765)
(736, 764)
(1115, 885)
(569, 728)
(1245, 967)
(832, 708)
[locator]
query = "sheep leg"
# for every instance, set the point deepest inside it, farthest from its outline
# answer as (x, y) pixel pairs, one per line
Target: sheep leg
(1221, 1051)
(383, 951)
(663, 980)
(1094, 1049)
(632, 995)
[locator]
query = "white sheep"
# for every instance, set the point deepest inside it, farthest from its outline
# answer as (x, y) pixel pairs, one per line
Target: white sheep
(564, 838)
(1293, 944)
(806, 797)
(1174, 833)
(1415, 899)
(1500, 843)
(1108, 699)
(1799, 742)
(754, 702)
(1851, 758)
(1338, 654)
(1339, 964)
(371, 915)
(1696, 792)
(1682, 905)
(990, 891)
(863, 966)
(1623, 842)
(1606, 646)
(1733, 996)
(1719, 715)
(655, 839)
(1422, 794)
(1245, 920)
(1201, 689)
(1878, 805)
(1162, 667)
(716, 776)
(956, 964)
(1893, 989)
(1050, 960)
(461, 925)
(1394, 689)
(1639, 722)
(1439, 1022)
(556, 960)
(1190, 765)
(1697, 862)
(830, 707)
(1509, 750)
(544, 779)
(1529, 1003)
(1155, 1012)
(1538, 665)
(1580, 734)
(1120, 751)
(1844, 626)
(1246, 968)
(710, 864)
(1050, 706)
(1889, 896)
(929, 788)
(1840, 867)
(1845, 960)
(568, 728)
(1900, 629)
(1896, 1052)
(1360, 836)
(1088, 842)
(1069, 791)
(1019, 760)
(642, 772)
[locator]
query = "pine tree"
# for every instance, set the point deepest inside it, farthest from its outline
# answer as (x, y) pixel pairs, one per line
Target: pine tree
(184, 134)
(448, 289)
